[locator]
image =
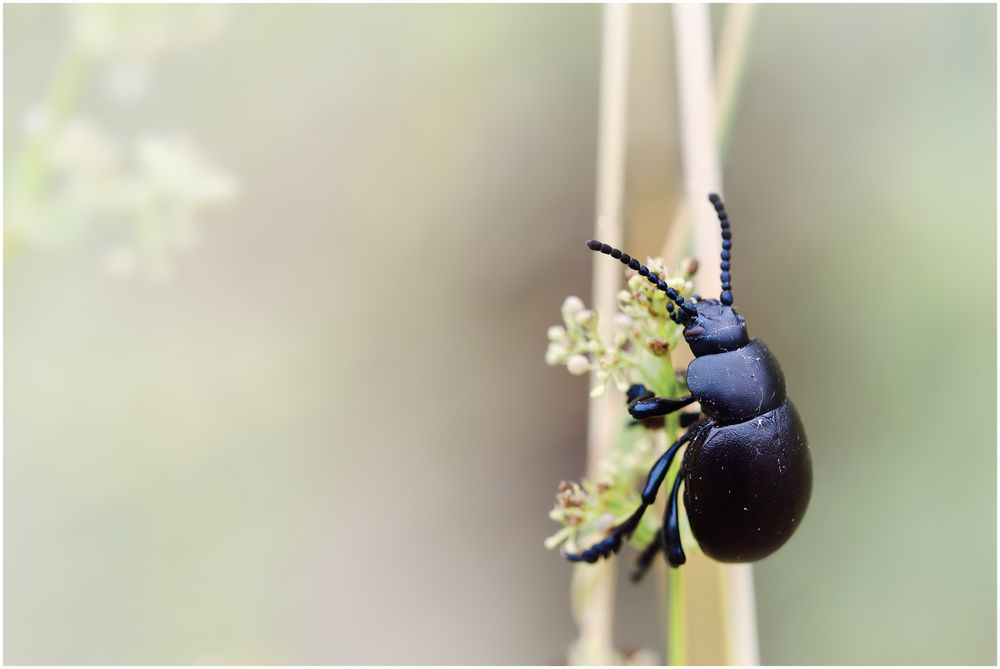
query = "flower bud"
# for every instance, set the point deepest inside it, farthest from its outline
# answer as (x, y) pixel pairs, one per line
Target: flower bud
(586, 318)
(622, 322)
(578, 365)
(659, 347)
(571, 306)
(555, 354)
(689, 266)
(604, 522)
(556, 333)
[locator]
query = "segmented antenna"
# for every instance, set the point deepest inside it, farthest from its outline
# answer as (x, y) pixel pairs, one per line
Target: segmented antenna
(686, 310)
(727, 236)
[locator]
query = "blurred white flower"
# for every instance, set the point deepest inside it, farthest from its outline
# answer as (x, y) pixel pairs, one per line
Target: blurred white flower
(126, 81)
(149, 204)
(36, 121)
(175, 166)
(73, 178)
(80, 146)
(571, 306)
(578, 364)
(143, 31)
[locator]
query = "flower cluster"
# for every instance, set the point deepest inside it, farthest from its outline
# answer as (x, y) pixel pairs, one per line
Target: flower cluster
(74, 179)
(642, 337)
(642, 326)
(588, 510)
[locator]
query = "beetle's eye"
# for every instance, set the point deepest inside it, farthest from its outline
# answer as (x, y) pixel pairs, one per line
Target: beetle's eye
(696, 331)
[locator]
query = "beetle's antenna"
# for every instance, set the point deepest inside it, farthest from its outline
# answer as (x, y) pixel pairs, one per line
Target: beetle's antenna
(687, 309)
(727, 236)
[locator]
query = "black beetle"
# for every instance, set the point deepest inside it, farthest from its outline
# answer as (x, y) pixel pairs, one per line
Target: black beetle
(747, 472)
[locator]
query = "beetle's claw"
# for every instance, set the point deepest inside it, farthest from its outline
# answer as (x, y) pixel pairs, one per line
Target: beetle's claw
(676, 557)
(604, 548)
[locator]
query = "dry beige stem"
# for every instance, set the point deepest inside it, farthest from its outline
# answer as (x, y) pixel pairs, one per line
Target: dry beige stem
(593, 585)
(702, 174)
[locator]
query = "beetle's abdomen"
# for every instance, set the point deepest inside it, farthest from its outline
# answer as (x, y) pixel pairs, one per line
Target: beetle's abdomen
(747, 484)
(736, 385)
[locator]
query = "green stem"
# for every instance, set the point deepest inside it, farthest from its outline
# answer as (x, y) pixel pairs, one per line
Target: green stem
(676, 629)
(30, 172)
(29, 168)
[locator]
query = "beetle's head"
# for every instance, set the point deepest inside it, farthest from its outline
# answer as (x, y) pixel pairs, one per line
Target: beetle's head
(716, 328)
(710, 326)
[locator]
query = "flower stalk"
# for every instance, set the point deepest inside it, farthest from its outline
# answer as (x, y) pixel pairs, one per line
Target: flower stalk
(703, 174)
(618, 459)
(638, 350)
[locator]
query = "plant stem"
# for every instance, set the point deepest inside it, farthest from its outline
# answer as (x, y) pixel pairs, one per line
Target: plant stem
(699, 152)
(733, 42)
(699, 146)
(593, 585)
(677, 636)
(730, 66)
(671, 588)
(29, 173)
(610, 194)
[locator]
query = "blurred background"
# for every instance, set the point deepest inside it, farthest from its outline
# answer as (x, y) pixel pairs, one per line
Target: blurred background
(277, 281)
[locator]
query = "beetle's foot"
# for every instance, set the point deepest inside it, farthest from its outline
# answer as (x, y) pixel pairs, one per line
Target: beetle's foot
(610, 544)
(676, 556)
(604, 549)
(672, 525)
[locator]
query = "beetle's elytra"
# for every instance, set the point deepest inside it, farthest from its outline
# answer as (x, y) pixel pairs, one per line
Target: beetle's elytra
(747, 471)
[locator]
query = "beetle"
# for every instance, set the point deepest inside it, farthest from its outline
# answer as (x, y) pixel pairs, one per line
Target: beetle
(747, 470)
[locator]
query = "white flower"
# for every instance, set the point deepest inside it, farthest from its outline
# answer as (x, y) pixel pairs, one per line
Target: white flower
(586, 318)
(555, 354)
(571, 306)
(80, 146)
(578, 365)
(175, 166)
(622, 322)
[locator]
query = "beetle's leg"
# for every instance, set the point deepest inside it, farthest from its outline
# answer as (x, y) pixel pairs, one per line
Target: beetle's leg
(657, 406)
(613, 542)
(672, 526)
(687, 419)
(669, 536)
(643, 405)
(636, 392)
(647, 556)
